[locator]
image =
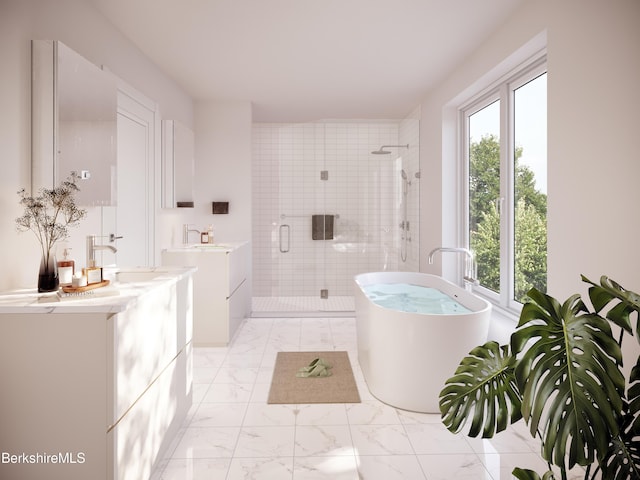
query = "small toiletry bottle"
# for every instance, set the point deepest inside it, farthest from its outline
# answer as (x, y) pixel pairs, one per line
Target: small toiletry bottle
(93, 274)
(66, 268)
(210, 232)
(204, 237)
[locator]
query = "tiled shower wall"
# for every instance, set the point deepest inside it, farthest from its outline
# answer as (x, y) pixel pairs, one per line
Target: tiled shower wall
(362, 191)
(409, 133)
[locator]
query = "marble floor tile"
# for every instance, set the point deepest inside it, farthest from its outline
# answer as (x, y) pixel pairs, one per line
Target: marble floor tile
(465, 466)
(209, 357)
(280, 468)
(265, 374)
(322, 414)
(199, 391)
(260, 393)
(339, 467)
(262, 415)
(207, 442)
(409, 418)
(242, 360)
(261, 442)
(427, 438)
(236, 375)
(231, 433)
(323, 440)
(380, 440)
(219, 415)
(205, 374)
(370, 412)
(229, 393)
(390, 467)
(195, 469)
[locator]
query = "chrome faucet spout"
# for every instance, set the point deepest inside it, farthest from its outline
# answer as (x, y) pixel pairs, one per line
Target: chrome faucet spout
(470, 266)
(186, 230)
(92, 247)
(466, 251)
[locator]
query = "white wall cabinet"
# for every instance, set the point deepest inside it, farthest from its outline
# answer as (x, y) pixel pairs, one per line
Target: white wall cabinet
(178, 163)
(221, 291)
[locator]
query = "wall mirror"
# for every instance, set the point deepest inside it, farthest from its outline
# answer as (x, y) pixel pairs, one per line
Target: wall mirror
(74, 108)
(177, 164)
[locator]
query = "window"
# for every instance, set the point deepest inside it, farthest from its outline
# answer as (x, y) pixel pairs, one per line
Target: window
(505, 145)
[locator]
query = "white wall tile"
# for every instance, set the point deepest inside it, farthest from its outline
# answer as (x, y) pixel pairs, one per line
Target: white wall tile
(362, 189)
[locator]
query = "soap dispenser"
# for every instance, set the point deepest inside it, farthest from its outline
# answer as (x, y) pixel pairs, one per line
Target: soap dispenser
(66, 268)
(210, 233)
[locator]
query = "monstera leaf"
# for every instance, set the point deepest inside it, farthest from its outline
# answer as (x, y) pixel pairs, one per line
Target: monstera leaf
(483, 390)
(622, 461)
(524, 474)
(608, 291)
(633, 396)
(569, 377)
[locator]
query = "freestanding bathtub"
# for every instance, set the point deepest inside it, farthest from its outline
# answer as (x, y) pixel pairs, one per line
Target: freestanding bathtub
(407, 357)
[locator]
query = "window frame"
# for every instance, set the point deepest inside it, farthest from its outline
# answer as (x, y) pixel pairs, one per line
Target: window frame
(503, 89)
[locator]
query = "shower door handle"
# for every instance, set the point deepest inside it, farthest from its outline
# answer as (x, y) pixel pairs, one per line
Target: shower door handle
(282, 227)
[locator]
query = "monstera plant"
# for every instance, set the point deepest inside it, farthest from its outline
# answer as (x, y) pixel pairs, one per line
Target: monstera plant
(562, 373)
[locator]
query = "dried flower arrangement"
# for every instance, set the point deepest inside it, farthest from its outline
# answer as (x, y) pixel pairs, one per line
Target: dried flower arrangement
(49, 216)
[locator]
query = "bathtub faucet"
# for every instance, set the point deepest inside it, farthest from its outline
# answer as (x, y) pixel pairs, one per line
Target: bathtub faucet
(470, 267)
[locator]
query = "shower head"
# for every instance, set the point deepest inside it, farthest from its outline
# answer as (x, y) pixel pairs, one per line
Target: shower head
(382, 151)
(404, 174)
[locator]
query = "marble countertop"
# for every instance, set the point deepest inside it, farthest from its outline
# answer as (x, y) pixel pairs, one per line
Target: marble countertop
(113, 298)
(224, 247)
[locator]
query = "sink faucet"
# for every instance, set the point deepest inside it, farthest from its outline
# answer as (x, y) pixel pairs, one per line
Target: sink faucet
(92, 247)
(185, 233)
(470, 266)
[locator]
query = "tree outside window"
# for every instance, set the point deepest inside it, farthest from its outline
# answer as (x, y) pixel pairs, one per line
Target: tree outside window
(507, 200)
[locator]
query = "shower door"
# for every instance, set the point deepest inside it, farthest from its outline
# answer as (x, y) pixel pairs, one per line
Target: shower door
(323, 171)
(306, 223)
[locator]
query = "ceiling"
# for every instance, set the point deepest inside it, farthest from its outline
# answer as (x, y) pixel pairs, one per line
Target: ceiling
(304, 60)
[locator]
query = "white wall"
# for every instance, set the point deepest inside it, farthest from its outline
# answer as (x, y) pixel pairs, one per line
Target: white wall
(80, 27)
(593, 125)
(223, 168)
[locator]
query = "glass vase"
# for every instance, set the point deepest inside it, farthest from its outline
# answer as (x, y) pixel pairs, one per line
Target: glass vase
(48, 280)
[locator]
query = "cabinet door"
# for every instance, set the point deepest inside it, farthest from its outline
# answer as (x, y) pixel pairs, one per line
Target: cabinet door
(178, 151)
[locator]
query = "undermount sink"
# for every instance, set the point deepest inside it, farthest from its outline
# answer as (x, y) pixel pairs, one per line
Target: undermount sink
(134, 275)
(129, 277)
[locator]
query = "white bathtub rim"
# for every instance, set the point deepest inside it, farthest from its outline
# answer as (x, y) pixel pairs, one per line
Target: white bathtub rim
(383, 333)
(404, 277)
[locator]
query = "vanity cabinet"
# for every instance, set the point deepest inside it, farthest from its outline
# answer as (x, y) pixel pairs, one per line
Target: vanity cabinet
(221, 291)
(96, 388)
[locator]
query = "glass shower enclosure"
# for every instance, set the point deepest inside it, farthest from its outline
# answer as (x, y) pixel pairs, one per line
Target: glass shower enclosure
(326, 208)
